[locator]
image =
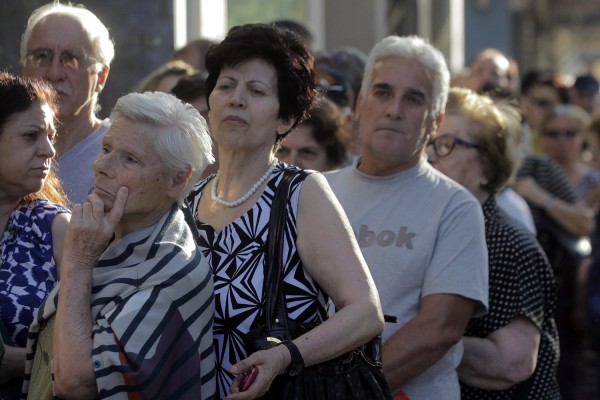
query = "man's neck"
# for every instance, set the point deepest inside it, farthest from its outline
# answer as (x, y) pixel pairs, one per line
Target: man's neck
(375, 166)
(73, 131)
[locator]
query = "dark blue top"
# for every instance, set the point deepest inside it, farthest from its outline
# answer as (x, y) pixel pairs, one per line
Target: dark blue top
(27, 266)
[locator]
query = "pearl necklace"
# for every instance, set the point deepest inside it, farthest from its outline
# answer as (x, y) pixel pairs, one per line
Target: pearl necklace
(241, 200)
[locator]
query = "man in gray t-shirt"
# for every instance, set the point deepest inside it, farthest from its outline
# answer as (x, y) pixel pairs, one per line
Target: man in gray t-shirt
(421, 234)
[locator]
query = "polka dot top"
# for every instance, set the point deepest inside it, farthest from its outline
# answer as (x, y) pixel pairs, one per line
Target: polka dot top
(521, 284)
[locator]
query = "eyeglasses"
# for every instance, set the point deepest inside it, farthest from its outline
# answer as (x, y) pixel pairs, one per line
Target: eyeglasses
(556, 133)
(42, 58)
(444, 144)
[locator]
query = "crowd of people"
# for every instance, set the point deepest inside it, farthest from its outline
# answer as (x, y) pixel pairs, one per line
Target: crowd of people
(134, 253)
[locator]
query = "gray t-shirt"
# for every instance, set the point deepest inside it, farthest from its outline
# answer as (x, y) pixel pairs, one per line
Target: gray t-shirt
(75, 168)
(420, 233)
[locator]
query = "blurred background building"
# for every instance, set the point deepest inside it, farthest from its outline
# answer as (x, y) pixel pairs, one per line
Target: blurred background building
(560, 34)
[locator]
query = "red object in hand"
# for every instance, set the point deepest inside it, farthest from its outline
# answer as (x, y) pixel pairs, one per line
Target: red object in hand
(248, 379)
(401, 396)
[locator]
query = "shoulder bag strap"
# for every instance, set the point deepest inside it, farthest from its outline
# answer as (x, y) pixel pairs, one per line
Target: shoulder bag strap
(276, 313)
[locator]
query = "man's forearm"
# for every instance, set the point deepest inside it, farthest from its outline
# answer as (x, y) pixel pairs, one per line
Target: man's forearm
(410, 352)
(426, 338)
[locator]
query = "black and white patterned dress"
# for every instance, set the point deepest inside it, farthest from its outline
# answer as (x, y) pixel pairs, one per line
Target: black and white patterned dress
(521, 283)
(236, 256)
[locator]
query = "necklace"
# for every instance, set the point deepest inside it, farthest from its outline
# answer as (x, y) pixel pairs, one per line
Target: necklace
(241, 200)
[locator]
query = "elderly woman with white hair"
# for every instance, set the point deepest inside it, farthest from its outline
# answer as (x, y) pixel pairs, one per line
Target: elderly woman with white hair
(132, 315)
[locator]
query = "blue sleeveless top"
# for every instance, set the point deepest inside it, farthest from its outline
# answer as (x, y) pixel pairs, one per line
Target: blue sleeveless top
(27, 266)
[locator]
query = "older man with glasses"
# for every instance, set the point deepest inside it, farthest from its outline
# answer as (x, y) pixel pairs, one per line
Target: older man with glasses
(69, 47)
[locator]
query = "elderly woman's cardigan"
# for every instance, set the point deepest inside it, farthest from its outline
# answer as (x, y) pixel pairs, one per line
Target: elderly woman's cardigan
(152, 310)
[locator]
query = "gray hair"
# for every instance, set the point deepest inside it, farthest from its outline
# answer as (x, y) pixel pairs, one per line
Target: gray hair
(102, 46)
(181, 137)
(417, 48)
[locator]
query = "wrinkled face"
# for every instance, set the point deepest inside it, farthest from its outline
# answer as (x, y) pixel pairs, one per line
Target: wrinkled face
(394, 118)
(55, 42)
(244, 107)
(300, 148)
(562, 140)
(462, 164)
(128, 158)
(26, 151)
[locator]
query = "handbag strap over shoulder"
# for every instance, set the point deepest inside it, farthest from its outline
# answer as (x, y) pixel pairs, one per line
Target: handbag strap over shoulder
(276, 313)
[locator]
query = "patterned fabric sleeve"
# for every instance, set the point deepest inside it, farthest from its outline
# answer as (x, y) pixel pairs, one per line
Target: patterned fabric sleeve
(152, 310)
(548, 174)
(144, 349)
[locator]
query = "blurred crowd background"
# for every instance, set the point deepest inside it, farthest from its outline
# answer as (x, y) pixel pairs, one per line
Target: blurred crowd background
(560, 35)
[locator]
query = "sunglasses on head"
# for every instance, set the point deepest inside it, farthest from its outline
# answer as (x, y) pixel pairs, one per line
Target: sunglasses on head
(556, 133)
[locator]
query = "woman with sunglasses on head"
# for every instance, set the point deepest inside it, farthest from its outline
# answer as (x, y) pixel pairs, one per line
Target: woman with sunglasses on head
(33, 217)
(512, 352)
(555, 189)
(561, 138)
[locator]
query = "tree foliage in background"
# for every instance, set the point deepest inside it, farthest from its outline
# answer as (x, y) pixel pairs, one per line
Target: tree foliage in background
(248, 11)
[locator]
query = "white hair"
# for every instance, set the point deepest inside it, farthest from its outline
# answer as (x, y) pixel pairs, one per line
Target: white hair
(417, 48)
(181, 137)
(102, 46)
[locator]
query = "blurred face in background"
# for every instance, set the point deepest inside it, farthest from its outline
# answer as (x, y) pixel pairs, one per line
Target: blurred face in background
(490, 68)
(537, 103)
(301, 149)
(562, 139)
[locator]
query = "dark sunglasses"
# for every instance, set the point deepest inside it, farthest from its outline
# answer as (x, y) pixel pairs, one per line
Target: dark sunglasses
(556, 133)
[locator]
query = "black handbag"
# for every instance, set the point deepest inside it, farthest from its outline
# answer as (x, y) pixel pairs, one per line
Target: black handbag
(356, 375)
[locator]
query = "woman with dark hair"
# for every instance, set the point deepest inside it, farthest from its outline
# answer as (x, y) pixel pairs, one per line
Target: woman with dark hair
(318, 142)
(261, 84)
(33, 216)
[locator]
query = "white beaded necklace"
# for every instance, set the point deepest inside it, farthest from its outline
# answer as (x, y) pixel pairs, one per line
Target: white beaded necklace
(241, 200)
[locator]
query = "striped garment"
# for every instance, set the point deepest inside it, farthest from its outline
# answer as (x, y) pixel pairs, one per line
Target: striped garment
(152, 306)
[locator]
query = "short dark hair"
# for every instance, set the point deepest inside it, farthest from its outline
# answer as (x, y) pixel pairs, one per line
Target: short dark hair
(545, 78)
(292, 61)
(329, 130)
(296, 27)
(189, 88)
(17, 94)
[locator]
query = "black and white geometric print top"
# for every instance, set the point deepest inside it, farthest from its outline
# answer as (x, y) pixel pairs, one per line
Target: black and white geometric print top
(236, 256)
(521, 282)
